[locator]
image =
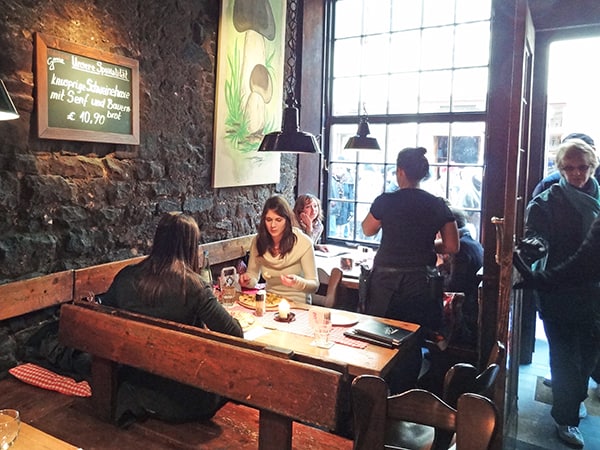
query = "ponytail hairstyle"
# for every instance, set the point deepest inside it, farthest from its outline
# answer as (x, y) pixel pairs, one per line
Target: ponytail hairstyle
(414, 163)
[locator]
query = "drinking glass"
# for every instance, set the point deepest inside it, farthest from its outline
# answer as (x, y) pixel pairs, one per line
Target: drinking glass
(322, 331)
(228, 296)
(312, 318)
(9, 427)
(320, 323)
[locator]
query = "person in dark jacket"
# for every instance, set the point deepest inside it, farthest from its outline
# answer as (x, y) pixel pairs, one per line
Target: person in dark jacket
(544, 184)
(558, 220)
(167, 285)
(460, 275)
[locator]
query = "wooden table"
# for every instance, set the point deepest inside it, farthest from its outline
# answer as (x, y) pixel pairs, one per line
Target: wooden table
(368, 359)
(32, 438)
(328, 260)
(372, 359)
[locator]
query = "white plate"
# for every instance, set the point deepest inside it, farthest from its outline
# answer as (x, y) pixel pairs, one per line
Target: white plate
(342, 319)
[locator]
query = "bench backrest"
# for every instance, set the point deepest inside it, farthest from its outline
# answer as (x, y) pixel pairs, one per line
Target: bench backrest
(97, 279)
(21, 297)
(228, 249)
(284, 387)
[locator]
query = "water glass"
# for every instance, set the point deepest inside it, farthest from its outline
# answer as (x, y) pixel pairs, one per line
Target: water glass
(228, 296)
(346, 263)
(10, 423)
(322, 331)
(317, 316)
(320, 322)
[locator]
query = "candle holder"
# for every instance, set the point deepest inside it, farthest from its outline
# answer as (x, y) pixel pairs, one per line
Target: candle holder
(290, 318)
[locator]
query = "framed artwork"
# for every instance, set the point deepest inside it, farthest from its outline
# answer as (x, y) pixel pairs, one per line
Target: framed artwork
(249, 91)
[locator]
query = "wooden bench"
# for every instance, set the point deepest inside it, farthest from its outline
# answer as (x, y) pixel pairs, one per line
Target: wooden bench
(25, 296)
(235, 420)
(283, 390)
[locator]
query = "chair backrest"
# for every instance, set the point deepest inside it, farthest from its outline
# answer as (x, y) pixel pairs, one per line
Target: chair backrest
(333, 280)
(473, 421)
(464, 377)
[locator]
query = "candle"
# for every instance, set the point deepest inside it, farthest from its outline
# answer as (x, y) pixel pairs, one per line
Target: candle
(284, 309)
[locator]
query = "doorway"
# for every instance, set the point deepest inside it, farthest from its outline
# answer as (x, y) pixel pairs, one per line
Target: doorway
(573, 93)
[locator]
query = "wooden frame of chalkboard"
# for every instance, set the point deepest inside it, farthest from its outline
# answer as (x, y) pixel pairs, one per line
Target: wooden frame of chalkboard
(85, 94)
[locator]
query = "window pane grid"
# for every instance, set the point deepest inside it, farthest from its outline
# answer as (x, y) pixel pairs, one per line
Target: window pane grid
(407, 60)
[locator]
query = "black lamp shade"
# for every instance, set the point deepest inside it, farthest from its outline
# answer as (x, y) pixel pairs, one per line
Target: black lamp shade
(290, 139)
(362, 141)
(7, 107)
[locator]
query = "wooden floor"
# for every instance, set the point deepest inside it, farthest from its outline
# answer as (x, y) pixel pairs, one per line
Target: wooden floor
(72, 420)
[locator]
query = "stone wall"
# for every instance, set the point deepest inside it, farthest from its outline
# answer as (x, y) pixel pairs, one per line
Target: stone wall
(66, 204)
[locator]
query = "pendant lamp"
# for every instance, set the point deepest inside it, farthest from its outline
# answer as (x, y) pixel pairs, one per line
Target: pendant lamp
(7, 107)
(290, 139)
(362, 140)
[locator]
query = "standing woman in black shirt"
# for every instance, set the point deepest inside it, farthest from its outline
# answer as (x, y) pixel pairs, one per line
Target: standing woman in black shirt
(403, 270)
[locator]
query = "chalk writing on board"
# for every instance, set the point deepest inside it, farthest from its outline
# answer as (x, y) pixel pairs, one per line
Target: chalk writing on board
(92, 93)
(85, 94)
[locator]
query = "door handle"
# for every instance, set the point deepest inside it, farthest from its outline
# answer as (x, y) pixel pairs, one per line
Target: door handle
(499, 224)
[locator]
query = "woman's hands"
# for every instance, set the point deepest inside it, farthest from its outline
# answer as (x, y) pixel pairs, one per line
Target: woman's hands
(244, 279)
(539, 280)
(306, 222)
(289, 280)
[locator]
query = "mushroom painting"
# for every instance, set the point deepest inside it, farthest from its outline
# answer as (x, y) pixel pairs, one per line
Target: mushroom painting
(249, 94)
(254, 18)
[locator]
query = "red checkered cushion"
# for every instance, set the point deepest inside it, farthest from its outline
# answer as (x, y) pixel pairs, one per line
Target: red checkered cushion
(46, 379)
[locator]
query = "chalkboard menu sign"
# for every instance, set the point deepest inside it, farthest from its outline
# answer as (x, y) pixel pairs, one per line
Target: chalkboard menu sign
(84, 94)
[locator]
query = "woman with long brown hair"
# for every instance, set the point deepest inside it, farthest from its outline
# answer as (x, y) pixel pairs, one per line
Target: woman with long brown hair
(282, 254)
(167, 285)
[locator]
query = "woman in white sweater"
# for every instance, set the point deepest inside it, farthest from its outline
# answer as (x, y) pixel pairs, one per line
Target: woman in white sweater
(282, 254)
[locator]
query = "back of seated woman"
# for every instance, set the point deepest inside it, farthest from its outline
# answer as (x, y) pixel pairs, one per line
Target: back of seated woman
(167, 285)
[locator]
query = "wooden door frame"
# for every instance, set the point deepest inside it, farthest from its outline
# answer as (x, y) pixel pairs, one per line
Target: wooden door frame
(500, 309)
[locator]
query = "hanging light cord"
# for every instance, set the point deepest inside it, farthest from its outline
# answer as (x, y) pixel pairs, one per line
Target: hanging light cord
(291, 60)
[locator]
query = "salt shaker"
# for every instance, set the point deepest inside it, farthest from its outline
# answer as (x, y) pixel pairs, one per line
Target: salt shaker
(260, 301)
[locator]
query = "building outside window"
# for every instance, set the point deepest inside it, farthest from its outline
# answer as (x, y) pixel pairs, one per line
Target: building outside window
(419, 70)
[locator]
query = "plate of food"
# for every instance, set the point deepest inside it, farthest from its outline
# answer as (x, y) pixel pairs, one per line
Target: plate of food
(245, 319)
(272, 301)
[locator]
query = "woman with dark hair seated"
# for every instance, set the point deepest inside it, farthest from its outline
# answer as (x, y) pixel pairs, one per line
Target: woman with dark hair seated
(167, 285)
(460, 275)
(309, 215)
(282, 254)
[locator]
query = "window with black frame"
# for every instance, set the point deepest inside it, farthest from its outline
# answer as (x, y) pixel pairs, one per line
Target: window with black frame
(419, 70)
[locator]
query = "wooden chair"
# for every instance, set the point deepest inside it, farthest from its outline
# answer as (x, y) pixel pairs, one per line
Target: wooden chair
(464, 377)
(473, 421)
(333, 282)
